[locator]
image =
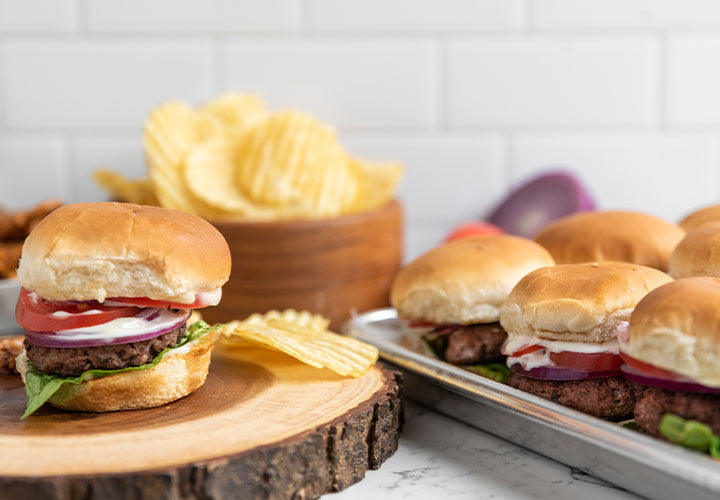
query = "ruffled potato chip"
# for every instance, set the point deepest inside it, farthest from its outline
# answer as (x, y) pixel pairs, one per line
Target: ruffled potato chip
(209, 175)
(236, 112)
(378, 183)
(170, 132)
(231, 159)
(123, 189)
(293, 160)
(303, 336)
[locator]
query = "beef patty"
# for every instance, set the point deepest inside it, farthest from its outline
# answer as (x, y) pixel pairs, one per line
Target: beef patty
(72, 361)
(656, 402)
(610, 397)
(468, 344)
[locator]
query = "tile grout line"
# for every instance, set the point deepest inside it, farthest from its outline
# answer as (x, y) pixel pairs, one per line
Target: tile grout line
(81, 17)
(69, 179)
(661, 86)
(509, 138)
(218, 59)
(304, 17)
(527, 19)
(441, 82)
(4, 126)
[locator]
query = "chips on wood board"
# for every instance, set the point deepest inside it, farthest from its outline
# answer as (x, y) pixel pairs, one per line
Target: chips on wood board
(305, 337)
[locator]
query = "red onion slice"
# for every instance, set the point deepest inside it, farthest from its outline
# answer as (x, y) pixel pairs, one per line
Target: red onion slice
(560, 373)
(634, 375)
(149, 324)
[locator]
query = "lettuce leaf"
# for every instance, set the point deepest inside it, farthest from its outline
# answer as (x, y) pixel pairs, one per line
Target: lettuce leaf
(690, 434)
(39, 386)
(498, 372)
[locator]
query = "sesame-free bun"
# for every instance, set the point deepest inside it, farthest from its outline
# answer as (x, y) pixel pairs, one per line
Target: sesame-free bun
(465, 281)
(577, 302)
(620, 236)
(698, 254)
(701, 217)
(91, 251)
(677, 327)
(176, 376)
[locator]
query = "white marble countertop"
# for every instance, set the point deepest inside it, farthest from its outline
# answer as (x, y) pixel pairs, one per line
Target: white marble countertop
(440, 457)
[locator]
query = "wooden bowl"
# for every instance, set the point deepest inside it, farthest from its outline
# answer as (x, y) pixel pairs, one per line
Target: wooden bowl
(328, 266)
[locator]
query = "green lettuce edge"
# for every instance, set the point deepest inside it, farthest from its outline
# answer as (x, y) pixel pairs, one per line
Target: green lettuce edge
(40, 387)
(690, 434)
(499, 372)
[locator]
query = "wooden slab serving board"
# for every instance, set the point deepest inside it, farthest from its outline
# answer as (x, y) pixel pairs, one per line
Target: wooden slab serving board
(263, 426)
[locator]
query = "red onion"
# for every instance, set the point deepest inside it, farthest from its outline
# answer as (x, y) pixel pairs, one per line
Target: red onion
(530, 207)
(560, 373)
(150, 323)
(633, 374)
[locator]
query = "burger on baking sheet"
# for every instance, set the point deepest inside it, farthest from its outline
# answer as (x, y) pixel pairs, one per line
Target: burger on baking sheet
(696, 254)
(673, 348)
(620, 236)
(561, 324)
(455, 292)
(107, 290)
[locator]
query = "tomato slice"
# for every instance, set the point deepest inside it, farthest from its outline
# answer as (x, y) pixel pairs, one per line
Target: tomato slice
(590, 362)
(145, 302)
(526, 350)
(37, 314)
(649, 369)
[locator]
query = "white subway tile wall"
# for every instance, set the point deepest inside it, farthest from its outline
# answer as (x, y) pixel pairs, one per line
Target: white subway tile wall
(473, 95)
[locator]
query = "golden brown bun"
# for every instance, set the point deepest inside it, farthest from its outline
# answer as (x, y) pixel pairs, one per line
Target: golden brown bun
(577, 302)
(677, 327)
(611, 236)
(176, 376)
(465, 281)
(701, 217)
(698, 254)
(91, 251)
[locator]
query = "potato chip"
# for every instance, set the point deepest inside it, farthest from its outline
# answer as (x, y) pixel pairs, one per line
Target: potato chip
(230, 158)
(170, 132)
(304, 319)
(305, 337)
(209, 173)
(293, 160)
(378, 183)
(236, 112)
(123, 189)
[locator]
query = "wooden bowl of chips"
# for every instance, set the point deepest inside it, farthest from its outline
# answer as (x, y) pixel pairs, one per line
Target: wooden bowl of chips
(327, 266)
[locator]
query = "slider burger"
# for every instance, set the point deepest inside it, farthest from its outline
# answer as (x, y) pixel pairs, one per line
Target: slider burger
(611, 236)
(456, 291)
(696, 254)
(561, 324)
(673, 348)
(107, 290)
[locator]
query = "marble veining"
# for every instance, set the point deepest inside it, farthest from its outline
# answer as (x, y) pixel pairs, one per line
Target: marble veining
(443, 458)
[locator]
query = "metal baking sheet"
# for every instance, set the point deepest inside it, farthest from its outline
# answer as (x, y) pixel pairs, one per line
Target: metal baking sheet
(639, 463)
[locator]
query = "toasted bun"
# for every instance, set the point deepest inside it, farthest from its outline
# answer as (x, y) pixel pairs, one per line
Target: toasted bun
(701, 217)
(677, 327)
(612, 236)
(176, 376)
(465, 281)
(577, 302)
(697, 254)
(90, 251)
